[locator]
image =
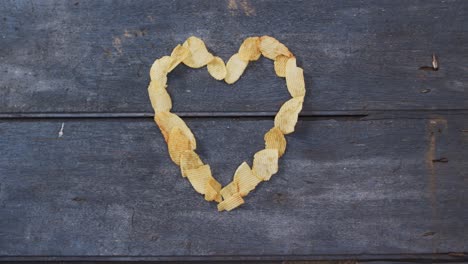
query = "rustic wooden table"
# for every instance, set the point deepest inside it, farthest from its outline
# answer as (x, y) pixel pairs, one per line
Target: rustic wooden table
(376, 171)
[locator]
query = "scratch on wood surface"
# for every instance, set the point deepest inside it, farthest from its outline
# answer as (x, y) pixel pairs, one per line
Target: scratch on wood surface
(60, 133)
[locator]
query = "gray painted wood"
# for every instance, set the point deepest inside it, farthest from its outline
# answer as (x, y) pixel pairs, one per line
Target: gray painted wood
(351, 187)
(94, 56)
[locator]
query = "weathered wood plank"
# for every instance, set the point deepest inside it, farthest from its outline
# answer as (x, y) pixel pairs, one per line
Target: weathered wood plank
(345, 187)
(94, 56)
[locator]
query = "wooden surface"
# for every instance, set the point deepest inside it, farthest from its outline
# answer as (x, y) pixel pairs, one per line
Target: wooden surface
(376, 171)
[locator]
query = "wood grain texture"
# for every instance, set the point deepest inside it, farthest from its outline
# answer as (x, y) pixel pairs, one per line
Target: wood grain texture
(345, 187)
(94, 56)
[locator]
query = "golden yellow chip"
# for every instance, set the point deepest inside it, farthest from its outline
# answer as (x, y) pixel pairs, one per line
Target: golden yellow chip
(274, 139)
(245, 179)
(179, 54)
(280, 65)
(178, 143)
(160, 99)
(235, 67)
(286, 118)
(265, 164)
(271, 48)
(249, 50)
(167, 121)
(189, 160)
(229, 190)
(231, 203)
(160, 67)
(217, 68)
(199, 55)
(200, 177)
(212, 189)
(294, 78)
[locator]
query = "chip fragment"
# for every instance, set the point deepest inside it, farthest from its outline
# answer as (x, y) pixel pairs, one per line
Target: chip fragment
(265, 164)
(204, 183)
(178, 143)
(271, 48)
(235, 67)
(167, 121)
(286, 118)
(160, 99)
(160, 68)
(245, 179)
(280, 65)
(274, 139)
(217, 68)
(199, 55)
(229, 190)
(231, 203)
(179, 53)
(212, 189)
(189, 160)
(294, 78)
(249, 50)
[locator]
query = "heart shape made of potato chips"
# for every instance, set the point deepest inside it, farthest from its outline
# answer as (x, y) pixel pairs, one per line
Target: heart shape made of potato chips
(180, 139)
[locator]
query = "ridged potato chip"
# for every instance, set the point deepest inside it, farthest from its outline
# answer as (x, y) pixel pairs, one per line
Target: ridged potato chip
(189, 160)
(271, 48)
(231, 203)
(160, 99)
(245, 179)
(235, 67)
(199, 177)
(212, 189)
(217, 68)
(229, 190)
(178, 143)
(274, 139)
(286, 118)
(167, 121)
(265, 164)
(199, 55)
(295, 78)
(179, 53)
(280, 65)
(249, 50)
(160, 68)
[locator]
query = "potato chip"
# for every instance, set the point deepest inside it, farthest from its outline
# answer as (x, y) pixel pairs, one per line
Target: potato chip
(179, 53)
(229, 190)
(199, 55)
(160, 68)
(274, 139)
(178, 143)
(245, 179)
(286, 118)
(160, 99)
(271, 48)
(167, 121)
(212, 189)
(280, 65)
(249, 50)
(189, 160)
(217, 68)
(265, 164)
(294, 78)
(235, 67)
(231, 203)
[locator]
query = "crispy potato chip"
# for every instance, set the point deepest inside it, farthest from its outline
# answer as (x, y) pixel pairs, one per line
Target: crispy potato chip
(167, 121)
(286, 118)
(231, 203)
(160, 68)
(265, 164)
(295, 78)
(178, 143)
(217, 68)
(280, 65)
(201, 178)
(229, 190)
(179, 53)
(249, 50)
(189, 160)
(199, 55)
(271, 48)
(160, 99)
(274, 139)
(245, 179)
(235, 67)
(212, 189)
